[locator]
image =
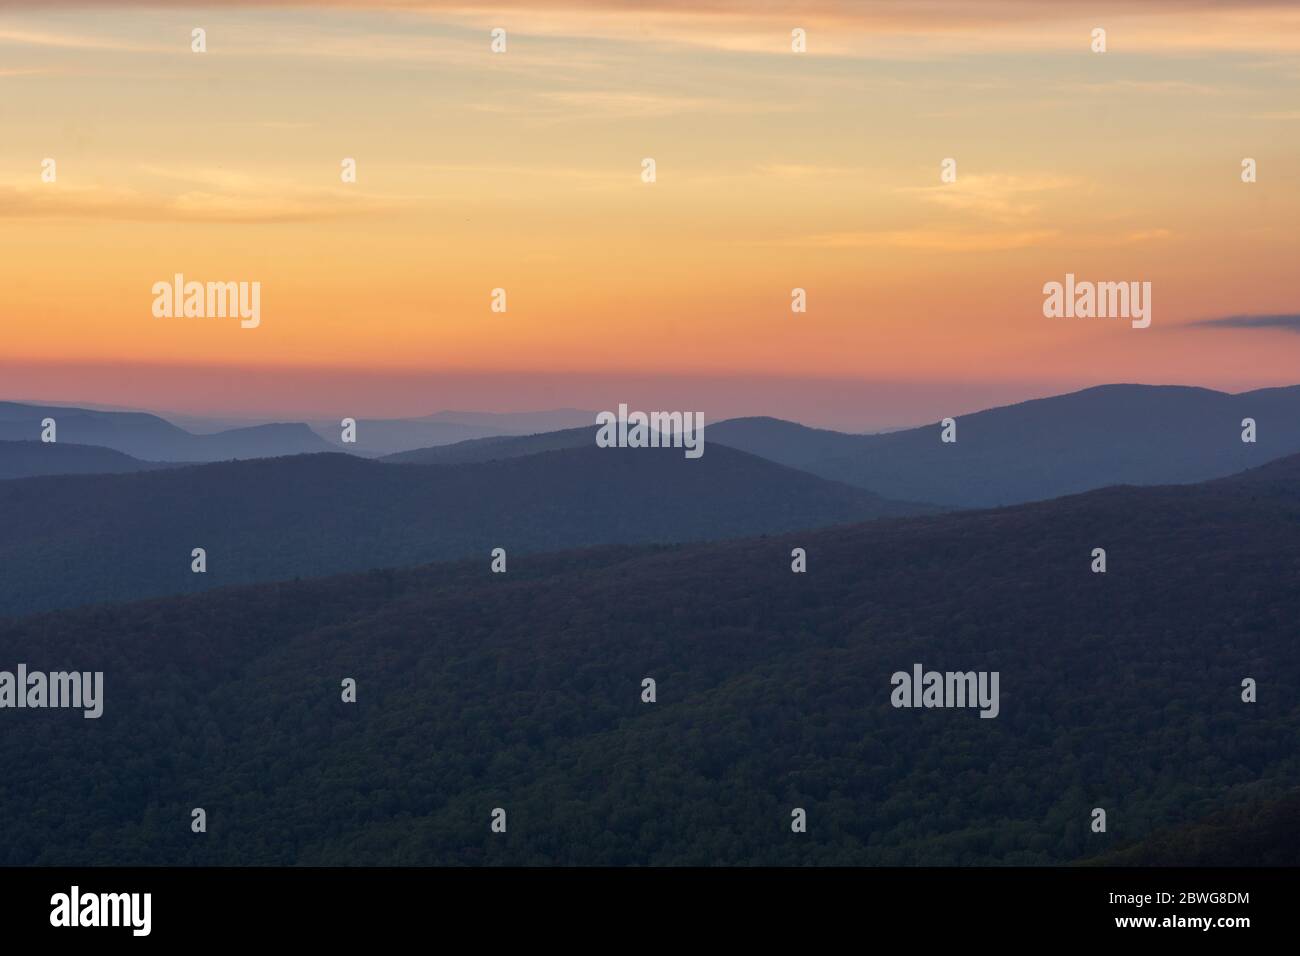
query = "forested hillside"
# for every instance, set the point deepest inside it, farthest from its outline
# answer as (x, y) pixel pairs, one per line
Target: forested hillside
(1253, 833)
(523, 691)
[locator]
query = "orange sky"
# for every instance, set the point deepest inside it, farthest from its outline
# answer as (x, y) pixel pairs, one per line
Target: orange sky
(522, 171)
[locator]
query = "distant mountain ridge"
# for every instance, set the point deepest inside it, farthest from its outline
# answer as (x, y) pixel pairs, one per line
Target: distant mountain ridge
(154, 439)
(25, 459)
(386, 437)
(1045, 448)
(77, 539)
(552, 419)
(497, 448)
(1031, 451)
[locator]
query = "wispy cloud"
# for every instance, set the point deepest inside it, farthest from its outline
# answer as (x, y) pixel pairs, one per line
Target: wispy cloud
(583, 105)
(68, 41)
(1287, 321)
(201, 204)
(927, 239)
(814, 171)
(1004, 198)
(1125, 87)
(882, 28)
(995, 240)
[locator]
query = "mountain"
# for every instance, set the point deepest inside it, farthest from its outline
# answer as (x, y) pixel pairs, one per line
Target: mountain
(519, 423)
(134, 433)
(25, 459)
(195, 424)
(149, 437)
(1036, 450)
(254, 441)
(380, 437)
(75, 539)
(383, 437)
(497, 448)
(772, 691)
(786, 442)
(1113, 434)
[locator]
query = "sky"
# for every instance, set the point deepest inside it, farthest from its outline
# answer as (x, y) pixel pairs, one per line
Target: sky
(522, 171)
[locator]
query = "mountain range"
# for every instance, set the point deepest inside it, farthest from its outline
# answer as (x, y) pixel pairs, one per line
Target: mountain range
(379, 437)
(75, 539)
(1114, 434)
(1031, 451)
(151, 438)
(24, 459)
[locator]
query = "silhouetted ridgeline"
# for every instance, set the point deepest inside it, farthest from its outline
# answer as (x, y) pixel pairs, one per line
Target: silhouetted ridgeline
(376, 437)
(523, 691)
(25, 459)
(1032, 451)
(149, 437)
(498, 448)
(72, 540)
(1110, 435)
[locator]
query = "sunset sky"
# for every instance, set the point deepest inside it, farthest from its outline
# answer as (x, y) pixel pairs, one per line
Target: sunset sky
(522, 171)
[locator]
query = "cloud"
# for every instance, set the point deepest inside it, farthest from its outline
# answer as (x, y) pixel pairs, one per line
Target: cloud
(1002, 198)
(68, 41)
(60, 202)
(882, 28)
(568, 106)
(812, 171)
(932, 240)
(1287, 321)
(1131, 238)
(964, 240)
(1177, 87)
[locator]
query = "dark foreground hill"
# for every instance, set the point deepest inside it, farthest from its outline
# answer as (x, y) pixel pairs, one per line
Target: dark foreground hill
(26, 459)
(523, 691)
(72, 540)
